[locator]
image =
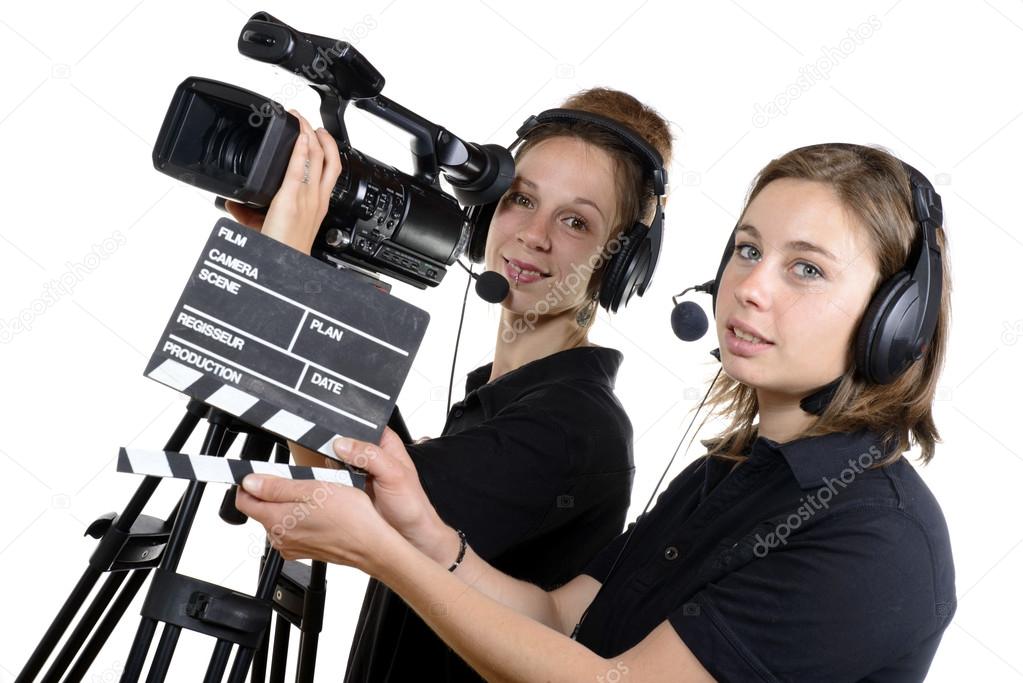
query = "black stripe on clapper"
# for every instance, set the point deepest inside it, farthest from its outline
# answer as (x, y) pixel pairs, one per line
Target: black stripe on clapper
(204, 387)
(302, 473)
(258, 413)
(180, 466)
(123, 463)
(239, 469)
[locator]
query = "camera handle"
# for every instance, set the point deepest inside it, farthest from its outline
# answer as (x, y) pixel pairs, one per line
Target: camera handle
(339, 73)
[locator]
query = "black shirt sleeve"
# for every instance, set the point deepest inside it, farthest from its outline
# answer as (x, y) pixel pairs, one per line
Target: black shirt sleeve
(497, 481)
(603, 562)
(834, 603)
(600, 566)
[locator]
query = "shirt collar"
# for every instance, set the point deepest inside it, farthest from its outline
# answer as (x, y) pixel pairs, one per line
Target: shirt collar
(817, 460)
(592, 363)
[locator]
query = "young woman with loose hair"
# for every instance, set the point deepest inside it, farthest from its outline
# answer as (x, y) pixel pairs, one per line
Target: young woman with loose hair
(873, 187)
(804, 547)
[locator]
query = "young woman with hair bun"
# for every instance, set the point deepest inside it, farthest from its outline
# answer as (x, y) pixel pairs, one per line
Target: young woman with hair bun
(534, 465)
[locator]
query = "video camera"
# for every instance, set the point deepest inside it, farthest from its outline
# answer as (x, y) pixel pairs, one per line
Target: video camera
(237, 143)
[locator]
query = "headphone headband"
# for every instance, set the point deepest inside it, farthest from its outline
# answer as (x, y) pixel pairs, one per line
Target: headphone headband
(636, 143)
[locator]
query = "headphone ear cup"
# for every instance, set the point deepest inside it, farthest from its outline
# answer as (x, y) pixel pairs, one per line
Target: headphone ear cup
(479, 220)
(873, 355)
(613, 281)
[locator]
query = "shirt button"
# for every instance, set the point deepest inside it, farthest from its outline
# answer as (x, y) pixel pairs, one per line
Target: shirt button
(671, 553)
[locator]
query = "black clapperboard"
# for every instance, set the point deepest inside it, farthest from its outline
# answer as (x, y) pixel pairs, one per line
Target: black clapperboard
(286, 342)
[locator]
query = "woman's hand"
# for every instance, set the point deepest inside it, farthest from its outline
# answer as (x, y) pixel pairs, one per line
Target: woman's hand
(301, 203)
(343, 525)
(318, 520)
(397, 494)
(246, 215)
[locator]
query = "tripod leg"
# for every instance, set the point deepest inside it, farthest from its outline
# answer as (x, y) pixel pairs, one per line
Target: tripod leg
(60, 623)
(183, 519)
(269, 573)
(312, 622)
(258, 446)
(258, 661)
(218, 662)
(84, 627)
(267, 581)
(106, 627)
(164, 653)
(215, 443)
(279, 662)
(99, 562)
(172, 555)
(139, 648)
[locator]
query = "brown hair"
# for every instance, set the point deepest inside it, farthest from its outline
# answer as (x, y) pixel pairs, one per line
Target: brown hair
(875, 189)
(635, 197)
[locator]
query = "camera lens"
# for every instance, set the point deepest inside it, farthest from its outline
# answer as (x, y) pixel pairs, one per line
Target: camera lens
(232, 148)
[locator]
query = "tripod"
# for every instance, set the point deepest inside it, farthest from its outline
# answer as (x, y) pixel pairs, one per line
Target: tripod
(131, 545)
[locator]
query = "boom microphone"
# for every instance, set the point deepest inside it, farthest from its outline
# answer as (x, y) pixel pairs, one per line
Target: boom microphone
(688, 321)
(491, 286)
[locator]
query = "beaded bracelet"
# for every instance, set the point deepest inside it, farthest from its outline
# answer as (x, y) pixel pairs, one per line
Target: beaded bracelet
(462, 545)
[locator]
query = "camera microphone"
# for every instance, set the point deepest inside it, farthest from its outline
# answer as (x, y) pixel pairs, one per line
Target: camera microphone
(688, 321)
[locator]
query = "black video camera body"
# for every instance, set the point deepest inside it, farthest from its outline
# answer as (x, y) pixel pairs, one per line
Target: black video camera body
(237, 143)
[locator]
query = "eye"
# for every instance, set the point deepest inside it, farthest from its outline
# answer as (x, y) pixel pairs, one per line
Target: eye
(739, 247)
(818, 274)
(519, 199)
(577, 223)
(809, 272)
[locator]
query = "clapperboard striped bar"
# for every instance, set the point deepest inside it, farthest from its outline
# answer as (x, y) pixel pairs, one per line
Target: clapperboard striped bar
(224, 470)
(248, 408)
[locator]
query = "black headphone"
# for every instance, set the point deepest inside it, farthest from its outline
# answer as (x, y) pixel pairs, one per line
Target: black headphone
(901, 317)
(631, 268)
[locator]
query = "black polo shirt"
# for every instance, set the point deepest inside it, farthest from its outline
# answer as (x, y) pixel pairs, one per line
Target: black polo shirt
(799, 565)
(536, 468)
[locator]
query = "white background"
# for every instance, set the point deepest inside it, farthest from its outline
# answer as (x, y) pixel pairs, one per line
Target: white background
(84, 89)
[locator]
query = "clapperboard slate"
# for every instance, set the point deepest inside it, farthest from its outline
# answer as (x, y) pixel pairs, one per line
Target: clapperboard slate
(286, 342)
(225, 470)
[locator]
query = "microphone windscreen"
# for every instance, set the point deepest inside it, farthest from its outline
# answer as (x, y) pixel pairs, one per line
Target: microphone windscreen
(688, 321)
(492, 287)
